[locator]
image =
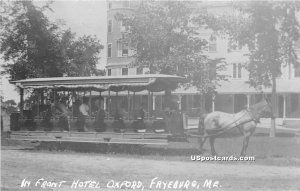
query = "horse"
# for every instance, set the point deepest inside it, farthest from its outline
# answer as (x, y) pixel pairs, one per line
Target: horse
(216, 123)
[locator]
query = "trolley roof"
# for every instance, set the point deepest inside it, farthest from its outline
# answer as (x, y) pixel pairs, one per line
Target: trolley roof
(152, 82)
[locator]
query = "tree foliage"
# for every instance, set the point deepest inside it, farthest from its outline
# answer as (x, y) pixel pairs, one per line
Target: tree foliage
(269, 29)
(9, 105)
(33, 46)
(167, 41)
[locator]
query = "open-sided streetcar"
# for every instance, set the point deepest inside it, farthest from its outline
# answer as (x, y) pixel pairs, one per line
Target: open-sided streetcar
(99, 109)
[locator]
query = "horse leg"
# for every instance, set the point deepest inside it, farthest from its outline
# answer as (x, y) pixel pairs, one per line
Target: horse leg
(201, 143)
(212, 145)
(201, 130)
(245, 145)
(248, 130)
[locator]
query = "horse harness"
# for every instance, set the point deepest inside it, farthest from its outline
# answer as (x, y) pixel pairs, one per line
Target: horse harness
(228, 127)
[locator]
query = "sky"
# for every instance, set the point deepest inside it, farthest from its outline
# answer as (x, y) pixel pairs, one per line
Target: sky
(83, 18)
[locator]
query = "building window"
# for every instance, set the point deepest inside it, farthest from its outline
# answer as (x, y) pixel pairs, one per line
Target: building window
(212, 46)
(237, 70)
(109, 47)
(109, 28)
(125, 4)
(123, 27)
(124, 71)
(139, 70)
(123, 49)
(109, 72)
(233, 46)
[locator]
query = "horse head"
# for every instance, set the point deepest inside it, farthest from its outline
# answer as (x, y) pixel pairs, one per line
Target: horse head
(262, 109)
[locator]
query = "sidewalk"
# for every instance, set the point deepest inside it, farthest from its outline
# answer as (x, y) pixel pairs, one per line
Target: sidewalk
(280, 124)
(264, 123)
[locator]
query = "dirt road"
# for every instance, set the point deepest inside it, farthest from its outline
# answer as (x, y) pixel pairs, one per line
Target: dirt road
(106, 170)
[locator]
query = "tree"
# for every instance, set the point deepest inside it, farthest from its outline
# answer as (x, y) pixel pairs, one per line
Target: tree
(167, 41)
(32, 46)
(269, 29)
(10, 105)
(80, 55)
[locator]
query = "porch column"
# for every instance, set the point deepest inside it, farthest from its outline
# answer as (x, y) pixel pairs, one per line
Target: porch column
(179, 103)
(153, 102)
(248, 101)
(213, 102)
(284, 106)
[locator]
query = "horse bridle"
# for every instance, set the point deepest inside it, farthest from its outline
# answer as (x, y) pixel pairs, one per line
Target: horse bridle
(259, 113)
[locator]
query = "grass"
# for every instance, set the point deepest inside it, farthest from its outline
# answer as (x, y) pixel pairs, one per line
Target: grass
(283, 150)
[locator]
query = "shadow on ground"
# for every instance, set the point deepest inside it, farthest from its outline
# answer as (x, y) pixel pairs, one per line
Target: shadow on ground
(285, 145)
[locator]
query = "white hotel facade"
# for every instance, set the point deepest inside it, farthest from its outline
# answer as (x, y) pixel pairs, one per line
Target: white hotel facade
(232, 95)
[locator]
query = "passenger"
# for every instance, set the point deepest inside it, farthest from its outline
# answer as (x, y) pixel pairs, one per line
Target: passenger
(48, 125)
(118, 124)
(99, 123)
(174, 121)
(123, 113)
(138, 125)
(63, 113)
(83, 114)
(167, 117)
(142, 113)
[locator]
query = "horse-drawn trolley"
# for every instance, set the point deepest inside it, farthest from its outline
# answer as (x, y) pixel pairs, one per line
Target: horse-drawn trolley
(98, 109)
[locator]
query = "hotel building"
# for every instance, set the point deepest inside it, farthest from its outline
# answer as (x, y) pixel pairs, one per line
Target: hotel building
(232, 95)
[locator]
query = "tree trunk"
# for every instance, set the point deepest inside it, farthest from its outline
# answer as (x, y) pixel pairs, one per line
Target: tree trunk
(203, 110)
(274, 109)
